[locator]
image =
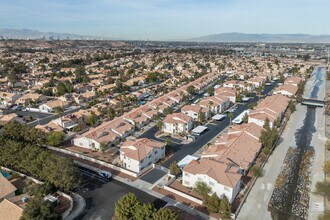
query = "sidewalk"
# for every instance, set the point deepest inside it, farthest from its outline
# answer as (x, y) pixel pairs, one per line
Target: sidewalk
(256, 205)
(80, 205)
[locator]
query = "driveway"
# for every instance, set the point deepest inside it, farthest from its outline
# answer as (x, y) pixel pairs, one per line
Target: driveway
(101, 196)
(153, 175)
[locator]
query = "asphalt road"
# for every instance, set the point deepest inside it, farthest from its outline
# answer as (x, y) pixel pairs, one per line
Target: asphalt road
(46, 120)
(214, 128)
(101, 195)
(24, 113)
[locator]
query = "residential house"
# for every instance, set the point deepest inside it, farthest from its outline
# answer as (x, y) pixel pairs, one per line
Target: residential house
(194, 111)
(177, 123)
(294, 80)
(93, 138)
(8, 99)
(229, 93)
(136, 118)
(272, 107)
(53, 105)
(85, 97)
(224, 180)
(121, 127)
(10, 211)
(288, 90)
(5, 119)
(140, 153)
(223, 164)
(256, 81)
(30, 98)
(7, 189)
(50, 127)
(215, 104)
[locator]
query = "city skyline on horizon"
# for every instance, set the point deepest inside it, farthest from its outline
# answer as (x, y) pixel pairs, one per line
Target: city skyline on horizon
(165, 19)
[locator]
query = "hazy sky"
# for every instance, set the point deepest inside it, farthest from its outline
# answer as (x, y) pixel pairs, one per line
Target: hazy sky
(166, 19)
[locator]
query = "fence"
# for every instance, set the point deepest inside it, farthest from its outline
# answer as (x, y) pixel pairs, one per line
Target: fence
(184, 195)
(111, 166)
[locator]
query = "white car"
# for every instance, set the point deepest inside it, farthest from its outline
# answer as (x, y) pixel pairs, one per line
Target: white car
(105, 174)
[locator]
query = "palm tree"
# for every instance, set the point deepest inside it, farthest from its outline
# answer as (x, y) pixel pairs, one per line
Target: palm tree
(210, 105)
(160, 125)
(230, 115)
(59, 110)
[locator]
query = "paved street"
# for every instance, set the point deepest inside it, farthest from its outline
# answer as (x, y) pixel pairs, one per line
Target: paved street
(101, 195)
(214, 128)
(46, 120)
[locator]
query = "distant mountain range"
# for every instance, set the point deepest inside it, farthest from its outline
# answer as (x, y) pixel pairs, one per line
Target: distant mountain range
(33, 34)
(274, 38)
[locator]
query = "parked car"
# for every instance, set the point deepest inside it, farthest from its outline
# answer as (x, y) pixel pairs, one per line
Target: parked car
(17, 108)
(105, 174)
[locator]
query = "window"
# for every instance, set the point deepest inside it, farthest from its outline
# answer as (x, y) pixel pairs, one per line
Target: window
(187, 183)
(211, 183)
(187, 174)
(199, 179)
(227, 188)
(156, 152)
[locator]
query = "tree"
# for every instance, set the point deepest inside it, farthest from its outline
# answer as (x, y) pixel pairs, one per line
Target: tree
(160, 125)
(127, 206)
(202, 188)
(326, 167)
(37, 208)
(92, 119)
(251, 105)
(225, 207)
(165, 214)
(168, 146)
(201, 117)
(111, 112)
(245, 118)
(59, 110)
(39, 190)
(191, 90)
(55, 138)
(210, 91)
(21, 148)
(168, 110)
(238, 97)
(175, 169)
(80, 74)
(213, 203)
(256, 171)
(267, 124)
(324, 216)
(323, 189)
(145, 212)
(230, 115)
(104, 146)
(292, 106)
